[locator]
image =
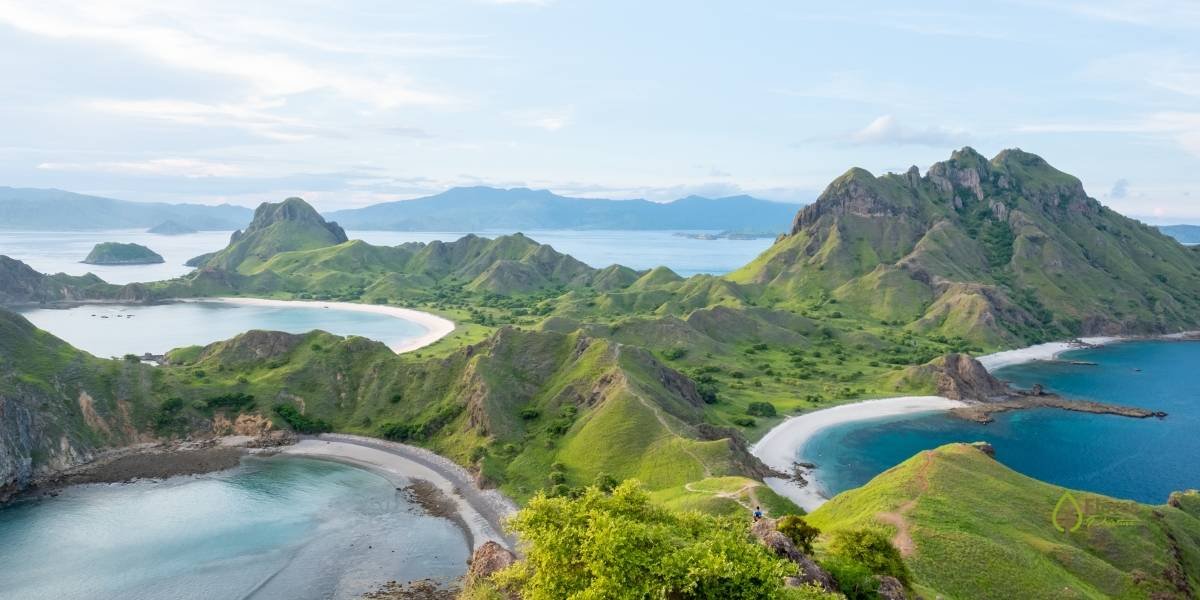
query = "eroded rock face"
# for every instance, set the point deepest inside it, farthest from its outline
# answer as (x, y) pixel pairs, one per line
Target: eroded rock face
(890, 588)
(961, 377)
(808, 570)
(489, 559)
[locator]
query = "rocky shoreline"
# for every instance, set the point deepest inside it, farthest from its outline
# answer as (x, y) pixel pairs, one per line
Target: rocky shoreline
(159, 460)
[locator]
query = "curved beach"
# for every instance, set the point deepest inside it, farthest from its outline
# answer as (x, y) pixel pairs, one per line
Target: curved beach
(783, 446)
(481, 513)
(435, 327)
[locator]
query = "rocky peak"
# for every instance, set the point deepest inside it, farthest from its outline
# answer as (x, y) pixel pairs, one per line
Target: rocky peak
(855, 193)
(292, 209)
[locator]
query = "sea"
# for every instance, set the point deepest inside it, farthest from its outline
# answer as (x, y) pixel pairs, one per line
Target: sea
(109, 330)
(61, 252)
(1136, 459)
(282, 527)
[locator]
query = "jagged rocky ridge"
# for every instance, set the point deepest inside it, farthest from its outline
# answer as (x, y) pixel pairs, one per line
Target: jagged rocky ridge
(1002, 252)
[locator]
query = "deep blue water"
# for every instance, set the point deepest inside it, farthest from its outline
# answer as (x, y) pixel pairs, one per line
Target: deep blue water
(290, 528)
(1138, 459)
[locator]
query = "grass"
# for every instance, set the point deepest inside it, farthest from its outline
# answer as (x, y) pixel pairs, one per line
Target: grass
(971, 510)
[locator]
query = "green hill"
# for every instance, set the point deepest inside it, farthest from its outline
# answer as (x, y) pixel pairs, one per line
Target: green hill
(969, 527)
(115, 253)
(1000, 252)
(516, 406)
(59, 405)
(20, 284)
(283, 227)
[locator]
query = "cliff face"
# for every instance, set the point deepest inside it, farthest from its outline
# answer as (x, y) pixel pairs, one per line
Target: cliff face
(1001, 252)
(59, 406)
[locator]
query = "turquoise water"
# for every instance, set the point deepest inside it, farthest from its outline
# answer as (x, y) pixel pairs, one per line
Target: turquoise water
(272, 528)
(1138, 459)
(137, 329)
(56, 251)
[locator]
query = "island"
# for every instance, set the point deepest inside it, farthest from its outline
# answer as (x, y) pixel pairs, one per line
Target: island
(170, 227)
(115, 253)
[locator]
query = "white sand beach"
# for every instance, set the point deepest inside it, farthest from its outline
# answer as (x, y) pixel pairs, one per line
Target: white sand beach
(783, 446)
(1047, 351)
(482, 512)
(435, 327)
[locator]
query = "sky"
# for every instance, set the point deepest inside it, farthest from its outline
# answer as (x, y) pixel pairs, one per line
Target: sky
(352, 103)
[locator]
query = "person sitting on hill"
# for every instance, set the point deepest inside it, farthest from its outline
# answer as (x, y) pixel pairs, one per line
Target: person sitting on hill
(758, 513)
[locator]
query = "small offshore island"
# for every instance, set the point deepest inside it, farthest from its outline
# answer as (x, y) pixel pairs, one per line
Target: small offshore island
(170, 227)
(116, 253)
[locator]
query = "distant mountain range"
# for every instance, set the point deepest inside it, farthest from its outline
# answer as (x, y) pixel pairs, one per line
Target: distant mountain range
(1186, 234)
(486, 208)
(57, 210)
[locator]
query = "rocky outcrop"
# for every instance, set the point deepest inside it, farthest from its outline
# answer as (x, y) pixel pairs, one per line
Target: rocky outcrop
(489, 559)
(808, 571)
(960, 377)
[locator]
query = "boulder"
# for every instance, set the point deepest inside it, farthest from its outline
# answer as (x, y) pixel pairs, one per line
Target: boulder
(808, 571)
(488, 559)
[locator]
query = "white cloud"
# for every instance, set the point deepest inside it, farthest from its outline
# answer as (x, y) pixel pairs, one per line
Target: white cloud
(886, 130)
(549, 119)
(1183, 128)
(176, 167)
(153, 31)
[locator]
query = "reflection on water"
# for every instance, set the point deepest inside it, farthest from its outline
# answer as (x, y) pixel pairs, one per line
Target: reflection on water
(107, 330)
(272, 528)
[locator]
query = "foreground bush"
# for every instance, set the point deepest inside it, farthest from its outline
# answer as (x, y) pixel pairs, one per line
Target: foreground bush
(619, 545)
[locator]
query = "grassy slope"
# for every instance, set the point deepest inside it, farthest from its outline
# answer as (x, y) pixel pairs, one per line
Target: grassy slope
(59, 405)
(982, 530)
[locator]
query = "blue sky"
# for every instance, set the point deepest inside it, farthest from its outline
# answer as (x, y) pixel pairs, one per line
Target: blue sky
(371, 101)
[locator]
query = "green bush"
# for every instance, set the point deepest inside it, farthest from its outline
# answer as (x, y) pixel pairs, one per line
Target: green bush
(799, 531)
(620, 545)
(744, 421)
(871, 548)
(530, 414)
(300, 422)
(761, 409)
(675, 353)
(708, 393)
(853, 579)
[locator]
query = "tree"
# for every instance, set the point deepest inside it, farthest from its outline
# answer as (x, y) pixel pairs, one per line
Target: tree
(801, 533)
(761, 409)
(872, 549)
(619, 545)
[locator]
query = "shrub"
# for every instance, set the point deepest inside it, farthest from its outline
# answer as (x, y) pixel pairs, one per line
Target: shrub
(744, 421)
(675, 353)
(530, 414)
(708, 393)
(606, 482)
(799, 531)
(761, 409)
(620, 545)
(132, 358)
(871, 548)
(853, 579)
(300, 422)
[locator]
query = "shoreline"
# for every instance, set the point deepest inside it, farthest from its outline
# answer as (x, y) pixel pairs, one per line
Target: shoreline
(480, 513)
(781, 448)
(1052, 350)
(440, 486)
(435, 327)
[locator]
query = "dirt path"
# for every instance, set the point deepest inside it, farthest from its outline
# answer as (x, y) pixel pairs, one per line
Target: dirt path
(663, 421)
(903, 539)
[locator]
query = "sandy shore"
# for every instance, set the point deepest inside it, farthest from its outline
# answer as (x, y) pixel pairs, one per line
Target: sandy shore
(1047, 351)
(481, 512)
(783, 446)
(435, 327)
